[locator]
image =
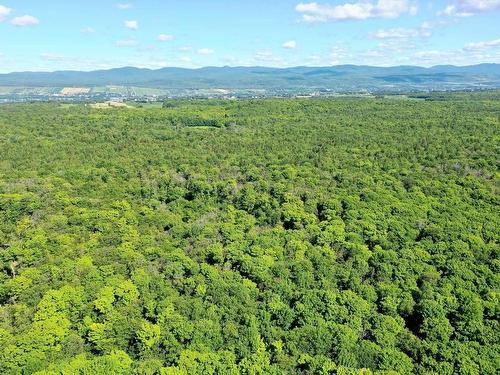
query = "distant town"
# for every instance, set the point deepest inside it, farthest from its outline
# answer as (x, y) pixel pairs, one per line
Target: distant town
(122, 93)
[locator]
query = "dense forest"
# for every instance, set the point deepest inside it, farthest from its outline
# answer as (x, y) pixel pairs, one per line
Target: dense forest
(280, 236)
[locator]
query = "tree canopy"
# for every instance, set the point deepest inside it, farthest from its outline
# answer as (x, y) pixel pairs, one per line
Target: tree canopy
(278, 236)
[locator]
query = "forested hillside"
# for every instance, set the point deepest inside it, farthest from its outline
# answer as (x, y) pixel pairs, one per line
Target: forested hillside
(346, 236)
(339, 78)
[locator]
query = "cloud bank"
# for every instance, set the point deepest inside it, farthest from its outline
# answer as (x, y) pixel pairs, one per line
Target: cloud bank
(314, 12)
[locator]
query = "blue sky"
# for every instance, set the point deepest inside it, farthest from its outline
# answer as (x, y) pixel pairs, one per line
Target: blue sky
(100, 34)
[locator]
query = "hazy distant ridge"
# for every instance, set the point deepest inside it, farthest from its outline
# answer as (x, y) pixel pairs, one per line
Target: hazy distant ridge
(341, 76)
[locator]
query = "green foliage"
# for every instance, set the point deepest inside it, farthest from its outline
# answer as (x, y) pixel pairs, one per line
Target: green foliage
(345, 236)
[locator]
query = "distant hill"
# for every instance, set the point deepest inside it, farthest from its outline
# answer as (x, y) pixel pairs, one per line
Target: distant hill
(336, 78)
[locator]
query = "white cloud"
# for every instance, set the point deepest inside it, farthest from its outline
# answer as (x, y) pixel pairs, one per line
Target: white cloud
(374, 53)
(51, 56)
(337, 55)
(124, 6)
(424, 31)
(291, 44)
(185, 48)
(478, 5)
(268, 57)
(132, 24)
(165, 38)
(265, 56)
(206, 51)
(390, 46)
(452, 11)
(467, 8)
(230, 60)
(472, 53)
(185, 59)
(482, 45)
(25, 21)
(148, 48)
(160, 64)
(87, 30)
(431, 55)
(396, 33)
(4, 12)
(314, 12)
(126, 43)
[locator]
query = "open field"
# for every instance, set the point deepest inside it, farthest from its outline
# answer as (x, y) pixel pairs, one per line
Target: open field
(109, 104)
(75, 90)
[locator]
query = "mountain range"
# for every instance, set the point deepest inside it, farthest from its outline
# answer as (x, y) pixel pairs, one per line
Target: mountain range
(335, 78)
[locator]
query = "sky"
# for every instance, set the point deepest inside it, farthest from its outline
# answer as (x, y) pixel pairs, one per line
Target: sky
(48, 35)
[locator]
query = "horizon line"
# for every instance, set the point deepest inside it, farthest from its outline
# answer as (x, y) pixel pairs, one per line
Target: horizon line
(247, 66)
